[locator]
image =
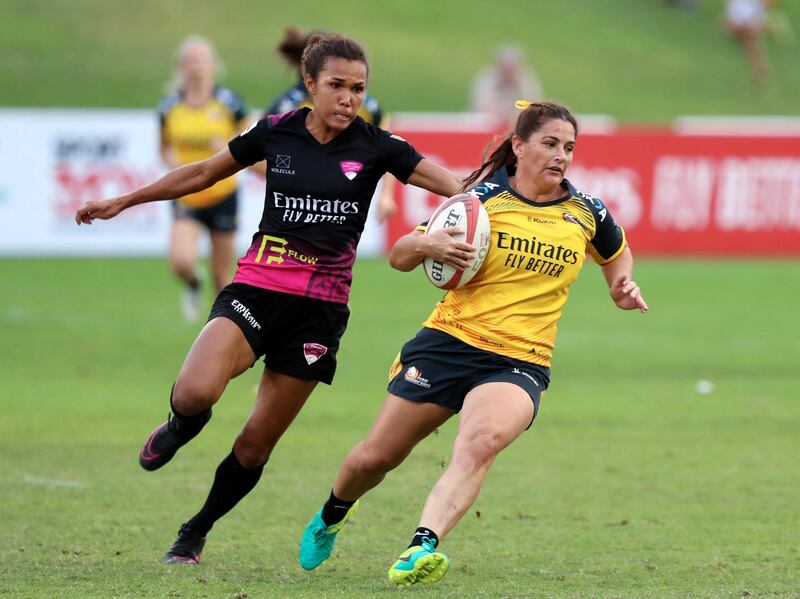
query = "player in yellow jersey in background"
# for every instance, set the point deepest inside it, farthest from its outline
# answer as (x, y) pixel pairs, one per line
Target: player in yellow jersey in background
(485, 350)
(196, 122)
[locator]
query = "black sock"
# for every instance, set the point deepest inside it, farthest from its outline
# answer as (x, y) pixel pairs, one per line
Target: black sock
(335, 509)
(189, 424)
(423, 533)
(231, 483)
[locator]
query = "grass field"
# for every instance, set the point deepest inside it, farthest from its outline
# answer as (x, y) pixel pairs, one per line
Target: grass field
(637, 60)
(631, 484)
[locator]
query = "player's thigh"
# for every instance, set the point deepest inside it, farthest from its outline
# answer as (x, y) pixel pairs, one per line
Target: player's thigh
(222, 256)
(220, 353)
(499, 411)
(184, 236)
(401, 424)
(222, 246)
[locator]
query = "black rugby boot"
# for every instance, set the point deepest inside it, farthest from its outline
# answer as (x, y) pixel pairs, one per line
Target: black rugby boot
(167, 439)
(187, 547)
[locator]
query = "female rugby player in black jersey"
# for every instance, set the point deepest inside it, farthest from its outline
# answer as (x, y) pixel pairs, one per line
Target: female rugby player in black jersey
(485, 350)
(290, 48)
(288, 301)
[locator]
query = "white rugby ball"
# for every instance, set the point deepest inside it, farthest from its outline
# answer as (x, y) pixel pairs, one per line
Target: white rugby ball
(466, 211)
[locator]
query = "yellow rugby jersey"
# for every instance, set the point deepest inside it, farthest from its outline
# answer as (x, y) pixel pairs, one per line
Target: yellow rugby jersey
(199, 132)
(512, 305)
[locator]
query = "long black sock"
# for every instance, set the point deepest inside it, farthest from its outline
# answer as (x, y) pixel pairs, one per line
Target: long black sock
(416, 540)
(335, 509)
(231, 483)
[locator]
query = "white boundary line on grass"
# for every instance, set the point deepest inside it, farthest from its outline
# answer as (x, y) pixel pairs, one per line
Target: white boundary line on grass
(53, 482)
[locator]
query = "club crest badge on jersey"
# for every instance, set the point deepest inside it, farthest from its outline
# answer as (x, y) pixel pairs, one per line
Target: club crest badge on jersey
(313, 352)
(351, 168)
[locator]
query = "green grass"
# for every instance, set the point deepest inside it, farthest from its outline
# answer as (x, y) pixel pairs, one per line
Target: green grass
(637, 60)
(630, 484)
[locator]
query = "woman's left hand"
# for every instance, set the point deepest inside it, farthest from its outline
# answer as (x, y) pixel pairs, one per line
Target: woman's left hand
(627, 295)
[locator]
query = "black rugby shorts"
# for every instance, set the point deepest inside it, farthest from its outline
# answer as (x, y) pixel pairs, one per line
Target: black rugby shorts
(297, 335)
(435, 367)
(220, 217)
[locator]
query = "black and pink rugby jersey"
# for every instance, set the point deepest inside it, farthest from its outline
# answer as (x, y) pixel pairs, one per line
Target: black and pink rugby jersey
(316, 201)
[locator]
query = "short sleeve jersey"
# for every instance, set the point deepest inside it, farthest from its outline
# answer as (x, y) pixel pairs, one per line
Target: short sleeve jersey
(198, 132)
(512, 306)
(316, 201)
(297, 97)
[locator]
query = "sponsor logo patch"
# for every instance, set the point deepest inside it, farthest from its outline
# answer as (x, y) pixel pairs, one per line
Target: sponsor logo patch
(571, 218)
(414, 376)
(244, 311)
(351, 168)
(313, 352)
(283, 165)
(526, 375)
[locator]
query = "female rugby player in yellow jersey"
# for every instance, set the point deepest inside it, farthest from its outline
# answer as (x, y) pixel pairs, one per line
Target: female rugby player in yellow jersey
(196, 121)
(485, 350)
(288, 301)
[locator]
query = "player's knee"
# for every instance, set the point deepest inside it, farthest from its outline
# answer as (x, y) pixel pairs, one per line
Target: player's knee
(250, 451)
(182, 267)
(375, 460)
(478, 448)
(191, 395)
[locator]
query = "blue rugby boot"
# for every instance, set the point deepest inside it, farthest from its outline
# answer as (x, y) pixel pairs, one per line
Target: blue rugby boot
(317, 542)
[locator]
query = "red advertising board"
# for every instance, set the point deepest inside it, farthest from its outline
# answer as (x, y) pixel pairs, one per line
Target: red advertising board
(675, 194)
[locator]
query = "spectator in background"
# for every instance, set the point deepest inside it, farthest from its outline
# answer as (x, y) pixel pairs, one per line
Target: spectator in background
(290, 48)
(496, 88)
(197, 120)
(746, 20)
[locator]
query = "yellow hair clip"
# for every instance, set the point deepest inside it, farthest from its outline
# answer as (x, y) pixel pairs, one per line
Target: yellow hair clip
(522, 104)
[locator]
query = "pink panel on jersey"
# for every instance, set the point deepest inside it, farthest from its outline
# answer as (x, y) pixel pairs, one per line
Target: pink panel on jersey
(272, 263)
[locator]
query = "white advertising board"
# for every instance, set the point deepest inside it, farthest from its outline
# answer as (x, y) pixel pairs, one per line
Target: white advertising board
(52, 161)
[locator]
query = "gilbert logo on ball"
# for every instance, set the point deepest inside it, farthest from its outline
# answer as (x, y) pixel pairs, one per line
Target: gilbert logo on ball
(467, 212)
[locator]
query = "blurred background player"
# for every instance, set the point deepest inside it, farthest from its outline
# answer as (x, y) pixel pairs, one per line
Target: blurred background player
(288, 301)
(290, 48)
(485, 350)
(496, 88)
(197, 119)
(746, 21)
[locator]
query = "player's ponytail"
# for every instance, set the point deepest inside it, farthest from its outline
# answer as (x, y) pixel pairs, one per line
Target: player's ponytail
(292, 45)
(530, 120)
(322, 46)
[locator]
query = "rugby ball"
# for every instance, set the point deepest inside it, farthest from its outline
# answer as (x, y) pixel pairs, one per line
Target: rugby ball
(466, 211)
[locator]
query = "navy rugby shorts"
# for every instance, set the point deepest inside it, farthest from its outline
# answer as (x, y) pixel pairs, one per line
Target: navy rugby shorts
(297, 335)
(220, 217)
(435, 367)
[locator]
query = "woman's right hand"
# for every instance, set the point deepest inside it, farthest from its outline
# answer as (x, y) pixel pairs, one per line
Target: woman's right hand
(102, 209)
(443, 247)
